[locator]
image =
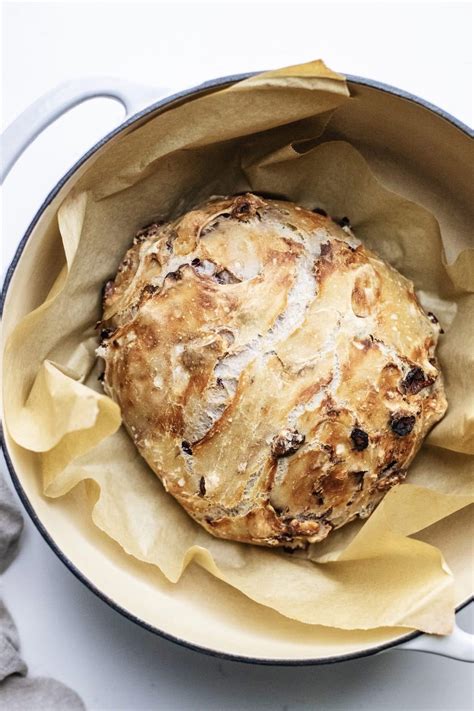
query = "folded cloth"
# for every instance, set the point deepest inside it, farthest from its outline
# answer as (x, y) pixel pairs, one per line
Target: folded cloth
(17, 691)
(38, 694)
(11, 525)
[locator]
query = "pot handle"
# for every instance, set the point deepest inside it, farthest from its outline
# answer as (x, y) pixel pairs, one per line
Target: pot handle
(29, 124)
(458, 645)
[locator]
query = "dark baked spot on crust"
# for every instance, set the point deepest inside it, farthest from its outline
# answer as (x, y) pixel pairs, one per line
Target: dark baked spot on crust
(287, 442)
(414, 381)
(332, 411)
(245, 207)
(241, 210)
(435, 320)
(359, 478)
(319, 496)
(226, 277)
(367, 343)
(360, 439)
(149, 289)
(204, 267)
(186, 447)
(278, 509)
(329, 449)
(343, 222)
(106, 333)
(127, 262)
(174, 276)
(202, 486)
(388, 466)
(210, 270)
(320, 211)
(402, 425)
(150, 230)
(326, 514)
(326, 249)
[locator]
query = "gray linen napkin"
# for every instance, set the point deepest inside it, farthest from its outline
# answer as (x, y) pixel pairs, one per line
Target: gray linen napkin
(19, 692)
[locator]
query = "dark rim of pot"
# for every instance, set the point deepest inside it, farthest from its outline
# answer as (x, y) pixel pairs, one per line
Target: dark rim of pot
(162, 104)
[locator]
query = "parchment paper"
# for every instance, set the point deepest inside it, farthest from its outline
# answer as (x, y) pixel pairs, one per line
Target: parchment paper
(263, 134)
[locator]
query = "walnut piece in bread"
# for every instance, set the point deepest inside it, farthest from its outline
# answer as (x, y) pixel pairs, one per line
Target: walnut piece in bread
(277, 375)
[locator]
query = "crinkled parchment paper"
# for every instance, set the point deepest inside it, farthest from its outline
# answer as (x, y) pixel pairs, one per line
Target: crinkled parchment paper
(263, 134)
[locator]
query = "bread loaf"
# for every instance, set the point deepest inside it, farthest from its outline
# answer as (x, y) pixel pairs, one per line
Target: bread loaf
(277, 375)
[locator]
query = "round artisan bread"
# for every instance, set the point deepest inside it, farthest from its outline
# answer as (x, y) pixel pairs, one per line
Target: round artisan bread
(277, 375)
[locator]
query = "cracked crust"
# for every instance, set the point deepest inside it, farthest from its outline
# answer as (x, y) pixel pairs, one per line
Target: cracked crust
(275, 374)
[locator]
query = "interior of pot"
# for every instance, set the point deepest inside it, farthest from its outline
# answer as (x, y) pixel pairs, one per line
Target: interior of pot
(412, 150)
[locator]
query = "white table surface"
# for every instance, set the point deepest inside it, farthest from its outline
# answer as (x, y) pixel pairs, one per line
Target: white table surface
(425, 48)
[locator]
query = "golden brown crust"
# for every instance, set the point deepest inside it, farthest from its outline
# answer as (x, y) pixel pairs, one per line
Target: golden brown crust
(277, 375)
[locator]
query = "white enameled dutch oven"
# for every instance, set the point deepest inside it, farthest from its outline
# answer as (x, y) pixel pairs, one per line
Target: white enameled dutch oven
(199, 611)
